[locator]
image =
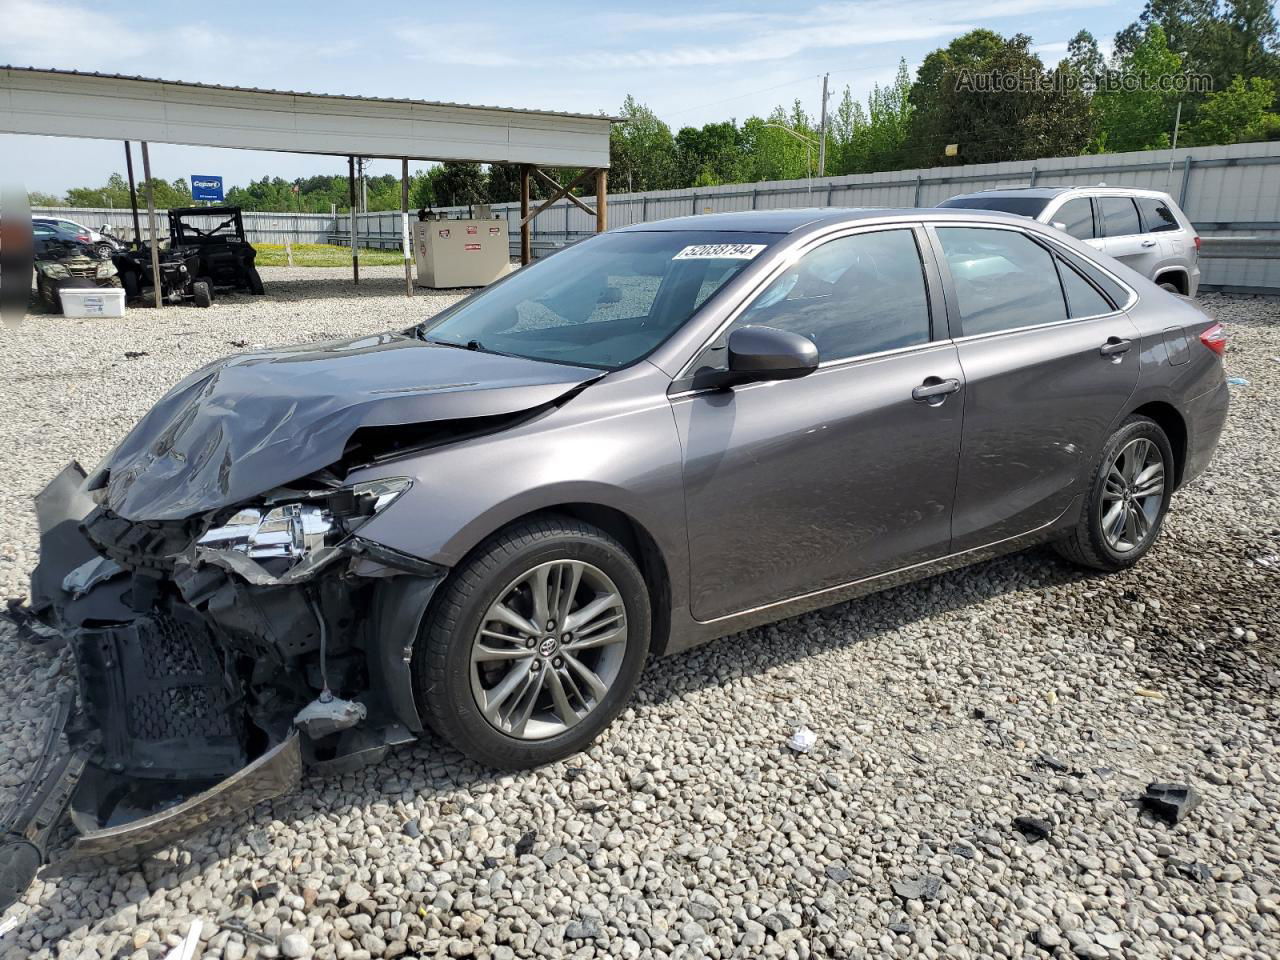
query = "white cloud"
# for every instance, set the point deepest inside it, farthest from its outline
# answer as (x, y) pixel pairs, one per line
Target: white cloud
(46, 34)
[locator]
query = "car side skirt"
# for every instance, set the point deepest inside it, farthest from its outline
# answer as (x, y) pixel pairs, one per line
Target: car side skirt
(688, 632)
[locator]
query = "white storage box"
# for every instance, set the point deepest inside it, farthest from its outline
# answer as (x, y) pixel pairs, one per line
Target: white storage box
(93, 301)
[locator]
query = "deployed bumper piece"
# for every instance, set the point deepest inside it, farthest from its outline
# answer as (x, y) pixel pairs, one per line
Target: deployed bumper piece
(274, 774)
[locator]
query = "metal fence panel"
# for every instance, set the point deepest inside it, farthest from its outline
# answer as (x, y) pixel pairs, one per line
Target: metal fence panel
(1226, 191)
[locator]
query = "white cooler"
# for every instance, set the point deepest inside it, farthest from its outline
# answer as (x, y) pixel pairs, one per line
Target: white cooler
(92, 301)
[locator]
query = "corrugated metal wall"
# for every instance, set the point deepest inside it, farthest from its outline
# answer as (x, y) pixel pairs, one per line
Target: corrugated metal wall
(1226, 191)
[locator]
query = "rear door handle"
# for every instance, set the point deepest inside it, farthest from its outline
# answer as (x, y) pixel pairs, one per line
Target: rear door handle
(1115, 347)
(1148, 243)
(934, 390)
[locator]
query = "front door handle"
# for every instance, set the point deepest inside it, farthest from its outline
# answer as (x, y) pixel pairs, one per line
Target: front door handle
(934, 390)
(1115, 347)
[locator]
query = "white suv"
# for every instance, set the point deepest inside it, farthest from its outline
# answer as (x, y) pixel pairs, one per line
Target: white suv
(1143, 229)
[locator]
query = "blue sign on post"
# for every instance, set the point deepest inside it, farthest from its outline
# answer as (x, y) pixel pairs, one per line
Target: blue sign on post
(206, 188)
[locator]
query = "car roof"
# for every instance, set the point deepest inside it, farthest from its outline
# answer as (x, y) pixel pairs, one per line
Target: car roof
(789, 221)
(1050, 192)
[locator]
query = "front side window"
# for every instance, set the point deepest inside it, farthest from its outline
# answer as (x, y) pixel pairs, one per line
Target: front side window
(1003, 279)
(1076, 217)
(1119, 216)
(852, 296)
(603, 303)
(1157, 215)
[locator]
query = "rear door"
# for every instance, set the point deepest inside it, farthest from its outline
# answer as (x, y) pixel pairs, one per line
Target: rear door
(1049, 361)
(800, 485)
(1123, 236)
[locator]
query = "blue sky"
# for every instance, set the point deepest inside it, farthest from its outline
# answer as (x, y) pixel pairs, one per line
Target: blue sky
(690, 62)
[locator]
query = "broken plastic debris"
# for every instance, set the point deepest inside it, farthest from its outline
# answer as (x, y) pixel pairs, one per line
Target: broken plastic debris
(1033, 828)
(319, 718)
(1237, 381)
(7, 925)
(919, 888)
(803, 740)
(1170, 801)
(89, 574)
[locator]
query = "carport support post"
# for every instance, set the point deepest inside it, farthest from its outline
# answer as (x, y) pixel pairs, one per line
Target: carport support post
(404, 226)
(156, 283)
(602, 200)
(133, 192)
(526, 245)
(351, 184)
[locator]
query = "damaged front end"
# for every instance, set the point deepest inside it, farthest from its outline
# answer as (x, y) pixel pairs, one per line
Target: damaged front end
(214, 656)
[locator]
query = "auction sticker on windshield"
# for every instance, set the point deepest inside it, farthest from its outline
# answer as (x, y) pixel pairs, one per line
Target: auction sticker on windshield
(720, 251)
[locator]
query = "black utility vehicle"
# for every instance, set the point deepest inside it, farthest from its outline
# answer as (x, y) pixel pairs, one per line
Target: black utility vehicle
(207, 250)
(216, 234)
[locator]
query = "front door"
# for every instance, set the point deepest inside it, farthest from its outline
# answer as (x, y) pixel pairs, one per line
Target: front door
(1049, 363)
(796, 486)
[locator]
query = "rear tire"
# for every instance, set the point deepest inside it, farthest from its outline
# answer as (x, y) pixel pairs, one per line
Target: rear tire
(255, 281)
(1171, 287)
(576, 685)
(49, 296)
(1127, 500)
(132, 286)
(201, 293)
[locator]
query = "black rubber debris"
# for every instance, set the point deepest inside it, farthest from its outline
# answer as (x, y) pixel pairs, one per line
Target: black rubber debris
(1170, 801)
(1033, 828)
(525, 843)
(135, 354)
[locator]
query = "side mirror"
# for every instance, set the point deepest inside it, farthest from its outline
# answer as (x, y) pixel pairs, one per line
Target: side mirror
(1058, 225)
(766, 353)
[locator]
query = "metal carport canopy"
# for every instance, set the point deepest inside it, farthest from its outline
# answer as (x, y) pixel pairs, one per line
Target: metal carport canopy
(114, 107)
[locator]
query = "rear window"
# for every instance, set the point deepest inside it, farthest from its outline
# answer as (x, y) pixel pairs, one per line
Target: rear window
(1157, 216)
(1119, 216)
(1022, 206)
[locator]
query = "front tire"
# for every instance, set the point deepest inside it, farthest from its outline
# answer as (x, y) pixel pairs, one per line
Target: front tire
(1128, 498)
(534, 645)
(202, 293)
(255, 281)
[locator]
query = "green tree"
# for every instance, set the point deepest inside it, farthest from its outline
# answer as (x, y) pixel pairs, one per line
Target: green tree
(709, 155)
(37, 199)
(1240, 112)
(641, 150)
(993, 98)
(1138, 117)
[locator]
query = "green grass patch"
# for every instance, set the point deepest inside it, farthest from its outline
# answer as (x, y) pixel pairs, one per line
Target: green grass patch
(323, 255)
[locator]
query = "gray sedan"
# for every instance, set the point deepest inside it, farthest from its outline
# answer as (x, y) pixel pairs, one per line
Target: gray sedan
(486, 525)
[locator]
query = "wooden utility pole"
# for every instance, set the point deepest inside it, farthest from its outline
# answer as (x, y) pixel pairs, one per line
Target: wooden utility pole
(602, 193)
(156, 282)
(351, 184)
(822, 142)
(526, 244)
(133, 192)
(404, 227)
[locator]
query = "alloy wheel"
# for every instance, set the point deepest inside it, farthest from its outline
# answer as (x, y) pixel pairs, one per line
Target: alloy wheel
(1132, 495)
(548, 649)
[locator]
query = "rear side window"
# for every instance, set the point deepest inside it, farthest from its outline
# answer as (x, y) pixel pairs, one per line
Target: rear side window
(1076, 217)
(1083, 299)
(1119, 216)
(1003, 279)
(1157, 216)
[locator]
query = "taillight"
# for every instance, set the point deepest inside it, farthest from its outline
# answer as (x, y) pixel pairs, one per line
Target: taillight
(1197, 241)
(1215, 338)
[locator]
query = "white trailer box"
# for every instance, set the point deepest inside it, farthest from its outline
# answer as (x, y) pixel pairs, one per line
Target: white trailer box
(92, 301)
(460, 253)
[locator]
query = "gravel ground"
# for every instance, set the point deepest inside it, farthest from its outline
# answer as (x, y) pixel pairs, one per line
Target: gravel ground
(944, 710)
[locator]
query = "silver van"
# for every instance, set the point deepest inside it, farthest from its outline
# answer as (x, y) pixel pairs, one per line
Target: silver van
(1143, 229)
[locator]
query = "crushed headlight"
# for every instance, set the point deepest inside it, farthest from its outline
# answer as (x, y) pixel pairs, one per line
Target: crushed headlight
(297, 530)
(54, 271)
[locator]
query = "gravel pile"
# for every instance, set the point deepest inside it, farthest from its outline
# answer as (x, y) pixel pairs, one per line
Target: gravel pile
(982, 741)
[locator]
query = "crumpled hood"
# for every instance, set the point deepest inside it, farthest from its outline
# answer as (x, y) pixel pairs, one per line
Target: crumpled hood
(249, 423)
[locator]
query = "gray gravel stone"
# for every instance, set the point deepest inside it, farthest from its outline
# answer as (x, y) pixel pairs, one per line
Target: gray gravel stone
(686, 831)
